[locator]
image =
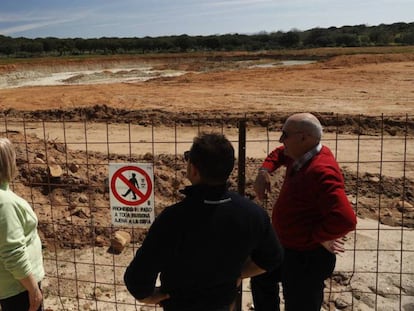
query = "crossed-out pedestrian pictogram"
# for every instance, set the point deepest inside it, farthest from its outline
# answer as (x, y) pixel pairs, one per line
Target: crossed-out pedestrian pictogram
(141, 197)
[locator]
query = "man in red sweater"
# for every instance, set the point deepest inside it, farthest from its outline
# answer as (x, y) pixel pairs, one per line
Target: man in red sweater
(310, 216)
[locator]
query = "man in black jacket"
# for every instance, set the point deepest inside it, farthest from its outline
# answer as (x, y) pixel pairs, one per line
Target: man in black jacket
(204, 245)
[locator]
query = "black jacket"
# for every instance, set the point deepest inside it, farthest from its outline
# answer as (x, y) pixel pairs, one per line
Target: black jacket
(199, 246)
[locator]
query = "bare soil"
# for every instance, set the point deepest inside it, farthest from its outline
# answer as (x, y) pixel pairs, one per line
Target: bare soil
(347, 84)
(349, 93)
(219, 88)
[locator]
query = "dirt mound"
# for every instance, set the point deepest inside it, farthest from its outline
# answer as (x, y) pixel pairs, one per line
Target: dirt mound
(351, 124)
(365, 59)
(74, 211)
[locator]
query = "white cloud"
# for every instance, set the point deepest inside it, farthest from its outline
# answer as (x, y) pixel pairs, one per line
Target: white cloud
(35, 20)
(95, 18)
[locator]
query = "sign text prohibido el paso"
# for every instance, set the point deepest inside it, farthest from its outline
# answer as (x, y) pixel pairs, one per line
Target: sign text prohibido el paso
(131, 193)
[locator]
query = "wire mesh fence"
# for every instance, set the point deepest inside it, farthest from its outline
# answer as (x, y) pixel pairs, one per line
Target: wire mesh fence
(63, 173)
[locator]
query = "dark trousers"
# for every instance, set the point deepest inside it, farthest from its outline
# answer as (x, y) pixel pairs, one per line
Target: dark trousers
(19, 302)
(302, 275)
(265, 291)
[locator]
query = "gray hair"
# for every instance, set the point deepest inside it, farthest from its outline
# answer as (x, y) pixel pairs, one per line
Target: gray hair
(309, 124)
(7, 161)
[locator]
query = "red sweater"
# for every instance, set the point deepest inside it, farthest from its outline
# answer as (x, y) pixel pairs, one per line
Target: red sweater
(312, 206)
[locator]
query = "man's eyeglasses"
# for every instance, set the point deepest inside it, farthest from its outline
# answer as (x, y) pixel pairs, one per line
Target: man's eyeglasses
(187, 155)
(285, 134)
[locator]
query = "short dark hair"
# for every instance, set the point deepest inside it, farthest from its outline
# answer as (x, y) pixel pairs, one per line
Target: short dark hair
(213, 155)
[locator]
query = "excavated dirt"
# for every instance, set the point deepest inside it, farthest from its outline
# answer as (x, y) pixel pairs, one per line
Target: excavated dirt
(225, 84)
(355, 96)
(348, 93)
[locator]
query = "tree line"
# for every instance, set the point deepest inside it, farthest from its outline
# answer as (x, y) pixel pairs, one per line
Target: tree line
(346, 36)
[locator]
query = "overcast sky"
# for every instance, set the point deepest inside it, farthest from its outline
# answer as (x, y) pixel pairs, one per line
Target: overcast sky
(138, 18)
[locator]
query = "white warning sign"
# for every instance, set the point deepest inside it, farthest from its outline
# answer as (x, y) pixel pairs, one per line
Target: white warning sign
(131, 194)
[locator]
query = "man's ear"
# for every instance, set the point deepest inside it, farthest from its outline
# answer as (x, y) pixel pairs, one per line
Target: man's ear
(195, 173)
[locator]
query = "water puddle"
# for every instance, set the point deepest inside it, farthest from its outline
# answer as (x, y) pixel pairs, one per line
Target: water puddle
(110, 75)
(283, 63)
(113, 75)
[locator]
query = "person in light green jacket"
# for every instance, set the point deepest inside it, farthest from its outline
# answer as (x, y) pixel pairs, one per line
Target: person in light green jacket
(21, 261)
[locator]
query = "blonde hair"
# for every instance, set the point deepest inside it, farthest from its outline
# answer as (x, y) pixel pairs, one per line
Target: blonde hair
(7, 161)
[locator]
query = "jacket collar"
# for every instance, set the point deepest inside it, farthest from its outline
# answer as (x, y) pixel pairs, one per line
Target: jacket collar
(205, 192)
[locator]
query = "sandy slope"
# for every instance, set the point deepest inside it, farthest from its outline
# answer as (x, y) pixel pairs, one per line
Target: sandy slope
(360, 84)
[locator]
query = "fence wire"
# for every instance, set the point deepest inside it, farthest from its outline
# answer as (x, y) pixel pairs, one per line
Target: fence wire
(376, 154)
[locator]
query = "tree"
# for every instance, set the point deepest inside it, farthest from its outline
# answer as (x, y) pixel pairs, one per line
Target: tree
(289, 40)
(359, 35)
(210, 43)
(183, 42)
(319, 37)
(347, 40)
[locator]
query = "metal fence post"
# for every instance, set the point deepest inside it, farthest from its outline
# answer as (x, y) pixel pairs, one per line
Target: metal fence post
(241, 185)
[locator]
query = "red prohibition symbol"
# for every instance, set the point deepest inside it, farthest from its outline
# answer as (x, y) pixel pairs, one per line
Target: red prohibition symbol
(142, 197)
